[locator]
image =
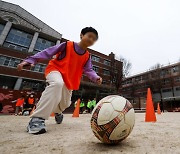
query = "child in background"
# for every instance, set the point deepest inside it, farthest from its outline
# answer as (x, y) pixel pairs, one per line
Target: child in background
(29, 104)
(19, 104)
(89, 106)
(93, 102)
(82, 104)
(31, 101)
(63, 74)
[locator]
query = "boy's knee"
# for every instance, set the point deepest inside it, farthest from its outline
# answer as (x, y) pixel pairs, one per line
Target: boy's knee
(68, 104)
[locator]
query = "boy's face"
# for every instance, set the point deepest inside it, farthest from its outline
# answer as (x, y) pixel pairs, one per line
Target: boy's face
(89, 38)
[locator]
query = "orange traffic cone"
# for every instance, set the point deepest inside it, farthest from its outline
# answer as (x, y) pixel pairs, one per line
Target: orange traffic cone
(150, 114)
(52, 114)
(158, 109)
(76, 110)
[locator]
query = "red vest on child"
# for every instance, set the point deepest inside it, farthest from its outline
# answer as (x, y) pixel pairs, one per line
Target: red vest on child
(31, 100)
(19, 102)
(70, 67)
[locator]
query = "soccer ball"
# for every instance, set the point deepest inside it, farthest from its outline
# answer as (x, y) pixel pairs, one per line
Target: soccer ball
(112, 119)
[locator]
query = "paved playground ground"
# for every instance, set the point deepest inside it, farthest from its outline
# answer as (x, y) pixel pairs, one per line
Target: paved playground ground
(74, 136)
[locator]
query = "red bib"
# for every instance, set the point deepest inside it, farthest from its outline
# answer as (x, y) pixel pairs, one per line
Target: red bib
(19, 102)
(70, 67)
(31, 100)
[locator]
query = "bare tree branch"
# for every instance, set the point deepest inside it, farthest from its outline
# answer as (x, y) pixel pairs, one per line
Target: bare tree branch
(126, 66)
(119, 71)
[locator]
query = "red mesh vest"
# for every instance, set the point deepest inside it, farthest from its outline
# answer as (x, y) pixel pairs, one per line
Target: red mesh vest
(31, 100)
(19, 102)
(70, 67)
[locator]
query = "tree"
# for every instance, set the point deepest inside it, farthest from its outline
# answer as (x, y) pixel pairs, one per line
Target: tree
(156, 66)
(126, 66)
(155, 79)
(120, 68)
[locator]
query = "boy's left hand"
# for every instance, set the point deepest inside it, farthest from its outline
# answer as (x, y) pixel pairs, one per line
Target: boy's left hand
(99, 81)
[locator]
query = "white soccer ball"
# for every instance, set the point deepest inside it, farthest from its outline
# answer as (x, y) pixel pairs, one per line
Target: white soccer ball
(112, 119)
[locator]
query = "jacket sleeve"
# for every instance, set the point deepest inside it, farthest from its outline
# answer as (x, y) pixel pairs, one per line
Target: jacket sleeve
(46, 53)
(88, 70)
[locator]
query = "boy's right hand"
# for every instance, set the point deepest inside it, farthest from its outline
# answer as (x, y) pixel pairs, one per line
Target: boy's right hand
(22, 64)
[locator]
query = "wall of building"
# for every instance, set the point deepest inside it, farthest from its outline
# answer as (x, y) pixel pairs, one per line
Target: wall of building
(164, 81)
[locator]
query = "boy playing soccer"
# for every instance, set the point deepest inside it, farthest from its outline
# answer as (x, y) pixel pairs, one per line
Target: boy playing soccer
(63, 74)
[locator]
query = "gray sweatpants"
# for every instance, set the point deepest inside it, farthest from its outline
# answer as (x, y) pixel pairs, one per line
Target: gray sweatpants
(55, 98)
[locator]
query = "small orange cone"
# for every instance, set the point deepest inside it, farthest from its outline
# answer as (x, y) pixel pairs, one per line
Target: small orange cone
(150, 114)
(52, 114)
(76, 110)
(158, 109)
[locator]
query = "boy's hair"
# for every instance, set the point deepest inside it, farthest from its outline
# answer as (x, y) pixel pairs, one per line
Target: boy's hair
(89, 29)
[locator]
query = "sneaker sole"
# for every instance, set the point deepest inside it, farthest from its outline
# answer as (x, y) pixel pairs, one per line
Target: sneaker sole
(58, 123)
(42, 131)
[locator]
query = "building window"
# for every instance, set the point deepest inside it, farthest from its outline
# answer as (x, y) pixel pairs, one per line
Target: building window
(2, 60)
(165, 81)
(129, 81)
(107, 62)
(95, 58)
(175, 69)
(123, 83)
(42, 68)
(38, 68)
(1, 28)
(9, 61)
(13, 62)
(7, 82)
(96, 69)
(153, 74)
(138, 78)
(106, 72)
(164, 72)
(32, 85)
(144, 77)
(166, 90)
(177, 79)
(42, 44)
(18, 40)
(178, 89)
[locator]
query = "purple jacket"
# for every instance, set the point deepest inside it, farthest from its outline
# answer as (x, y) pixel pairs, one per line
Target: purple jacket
(50, 52)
